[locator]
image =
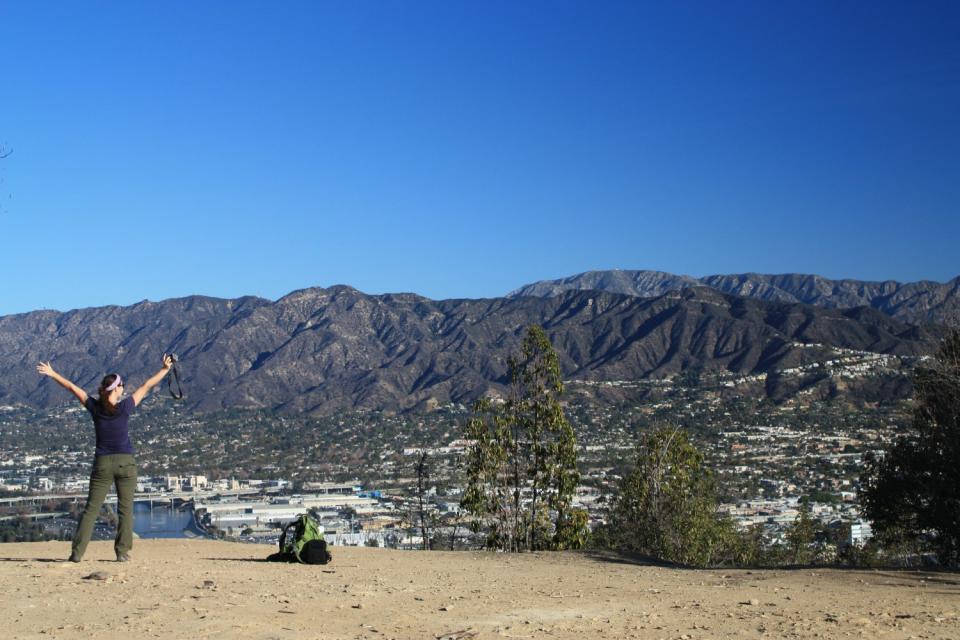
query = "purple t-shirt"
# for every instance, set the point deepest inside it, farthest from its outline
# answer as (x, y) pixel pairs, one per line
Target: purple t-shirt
(112, 434)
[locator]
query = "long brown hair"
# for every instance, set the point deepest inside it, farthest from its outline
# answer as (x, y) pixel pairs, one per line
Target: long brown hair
(105, 406)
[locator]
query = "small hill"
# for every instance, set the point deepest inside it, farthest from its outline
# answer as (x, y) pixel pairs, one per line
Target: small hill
(206, 589)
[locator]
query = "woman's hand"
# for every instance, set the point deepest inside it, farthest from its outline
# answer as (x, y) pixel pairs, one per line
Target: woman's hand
(45, 369)
(167, 361)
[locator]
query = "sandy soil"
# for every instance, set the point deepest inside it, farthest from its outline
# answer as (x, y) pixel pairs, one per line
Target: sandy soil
(205, 589)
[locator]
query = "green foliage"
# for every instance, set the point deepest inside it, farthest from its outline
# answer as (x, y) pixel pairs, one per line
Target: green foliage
(867, 556)
(801, 535)
(749, 548)
(666, 507)
(23, 530)
(522, 468)
(911, 492)
(487, 494)
(573, 531)
(823, 497)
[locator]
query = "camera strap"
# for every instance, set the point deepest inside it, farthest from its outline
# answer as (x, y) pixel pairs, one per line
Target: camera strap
(178, 395)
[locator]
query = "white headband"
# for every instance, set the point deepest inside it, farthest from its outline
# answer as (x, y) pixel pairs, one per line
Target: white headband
(116, 383)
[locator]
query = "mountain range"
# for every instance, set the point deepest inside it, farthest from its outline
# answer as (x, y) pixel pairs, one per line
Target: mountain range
(912, 302)
(324, 350)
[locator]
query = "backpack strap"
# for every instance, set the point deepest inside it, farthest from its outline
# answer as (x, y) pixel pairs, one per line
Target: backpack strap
(283, 536)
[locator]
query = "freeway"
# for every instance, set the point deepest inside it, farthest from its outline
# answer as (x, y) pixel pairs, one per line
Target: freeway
(37, 516)
(166, 496)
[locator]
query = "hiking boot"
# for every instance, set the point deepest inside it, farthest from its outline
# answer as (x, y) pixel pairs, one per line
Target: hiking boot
(73, 558)
(123, 558)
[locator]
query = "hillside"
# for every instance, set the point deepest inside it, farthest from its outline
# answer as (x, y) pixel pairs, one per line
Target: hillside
(206, 589)
(325, 350)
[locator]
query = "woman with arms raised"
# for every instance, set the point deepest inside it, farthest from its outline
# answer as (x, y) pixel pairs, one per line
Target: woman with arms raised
(113, 461)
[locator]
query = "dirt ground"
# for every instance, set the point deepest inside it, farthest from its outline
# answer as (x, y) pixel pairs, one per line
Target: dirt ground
(201, 589)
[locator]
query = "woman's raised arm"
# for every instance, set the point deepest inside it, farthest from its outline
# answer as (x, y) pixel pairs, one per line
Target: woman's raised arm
(45, 369)
(140, 393)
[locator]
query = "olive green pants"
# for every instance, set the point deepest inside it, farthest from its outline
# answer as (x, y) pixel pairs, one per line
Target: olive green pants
(119, 469)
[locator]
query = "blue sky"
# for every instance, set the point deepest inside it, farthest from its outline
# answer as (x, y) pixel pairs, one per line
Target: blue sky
(459, 149)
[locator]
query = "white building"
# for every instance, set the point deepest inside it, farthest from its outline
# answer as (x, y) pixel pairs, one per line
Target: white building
(860, 532)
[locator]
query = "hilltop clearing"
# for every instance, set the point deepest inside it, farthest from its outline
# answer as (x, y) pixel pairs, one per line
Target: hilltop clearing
(205, 589)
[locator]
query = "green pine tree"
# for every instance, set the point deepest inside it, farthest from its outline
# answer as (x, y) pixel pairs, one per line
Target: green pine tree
(666, 507)
(522, 469)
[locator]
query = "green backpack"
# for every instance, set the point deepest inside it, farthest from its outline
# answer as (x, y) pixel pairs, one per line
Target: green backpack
(301, 541)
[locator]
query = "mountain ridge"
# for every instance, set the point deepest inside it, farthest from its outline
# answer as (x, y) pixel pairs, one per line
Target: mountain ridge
(924, 301)
(322, 350)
